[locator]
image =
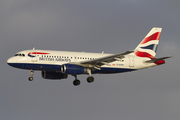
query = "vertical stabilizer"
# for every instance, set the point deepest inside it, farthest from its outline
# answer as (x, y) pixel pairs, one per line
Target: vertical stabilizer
(148, 46)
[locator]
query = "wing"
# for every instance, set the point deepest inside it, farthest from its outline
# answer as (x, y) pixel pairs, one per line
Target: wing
(97, 63)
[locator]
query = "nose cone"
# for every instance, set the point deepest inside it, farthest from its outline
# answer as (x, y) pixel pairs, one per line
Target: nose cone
(10, 61)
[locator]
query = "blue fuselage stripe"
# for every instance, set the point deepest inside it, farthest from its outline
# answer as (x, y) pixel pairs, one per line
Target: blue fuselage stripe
(49, 67)
(45, 67)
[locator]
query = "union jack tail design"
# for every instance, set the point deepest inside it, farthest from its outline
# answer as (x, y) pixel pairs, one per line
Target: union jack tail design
(148, 46)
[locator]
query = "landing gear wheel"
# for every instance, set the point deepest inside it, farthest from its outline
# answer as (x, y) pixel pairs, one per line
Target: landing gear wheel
(90, 79)
(30, 78)
(76, 82)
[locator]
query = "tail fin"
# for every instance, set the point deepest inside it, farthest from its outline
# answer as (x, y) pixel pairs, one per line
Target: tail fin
(148, 46)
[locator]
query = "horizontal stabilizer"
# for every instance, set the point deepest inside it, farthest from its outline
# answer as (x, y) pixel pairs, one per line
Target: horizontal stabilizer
(157, 59)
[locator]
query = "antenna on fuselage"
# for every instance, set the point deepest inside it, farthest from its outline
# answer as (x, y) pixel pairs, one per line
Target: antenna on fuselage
(33, 48)
(102, 52)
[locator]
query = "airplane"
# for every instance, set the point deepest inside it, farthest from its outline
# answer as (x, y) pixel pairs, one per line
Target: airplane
(59, 64)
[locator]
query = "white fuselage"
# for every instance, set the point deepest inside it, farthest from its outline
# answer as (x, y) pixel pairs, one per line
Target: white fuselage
(49, 60)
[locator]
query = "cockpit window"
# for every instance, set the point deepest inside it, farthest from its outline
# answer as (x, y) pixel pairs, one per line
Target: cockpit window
(23, 55)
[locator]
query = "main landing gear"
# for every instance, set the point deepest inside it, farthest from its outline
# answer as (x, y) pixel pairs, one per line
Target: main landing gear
(31, 78)
(77, 82)
(90, 79)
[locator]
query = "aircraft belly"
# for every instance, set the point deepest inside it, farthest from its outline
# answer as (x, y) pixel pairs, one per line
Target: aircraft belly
(29, 66)
(112, 70)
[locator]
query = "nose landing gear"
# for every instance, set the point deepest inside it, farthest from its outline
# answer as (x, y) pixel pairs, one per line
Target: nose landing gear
(31, 78)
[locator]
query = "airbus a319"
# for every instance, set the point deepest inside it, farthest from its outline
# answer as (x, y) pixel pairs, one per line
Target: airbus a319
(59, 64)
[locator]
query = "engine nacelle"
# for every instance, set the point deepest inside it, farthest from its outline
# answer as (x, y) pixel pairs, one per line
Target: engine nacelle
(53, 75)
(73, 69)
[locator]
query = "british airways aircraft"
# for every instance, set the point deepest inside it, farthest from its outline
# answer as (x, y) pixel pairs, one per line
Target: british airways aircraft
(60, 64)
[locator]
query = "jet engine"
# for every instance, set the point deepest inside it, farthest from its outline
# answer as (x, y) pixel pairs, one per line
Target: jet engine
(73, 69)
(53, 75)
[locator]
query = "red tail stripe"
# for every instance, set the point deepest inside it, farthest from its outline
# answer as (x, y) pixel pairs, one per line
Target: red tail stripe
(154, 36)
(143, 54)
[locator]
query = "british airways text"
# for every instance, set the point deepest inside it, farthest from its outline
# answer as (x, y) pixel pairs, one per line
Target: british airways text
(54, 59)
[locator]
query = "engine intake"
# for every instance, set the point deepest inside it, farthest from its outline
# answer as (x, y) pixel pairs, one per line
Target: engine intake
(53, 75)
(73, 69)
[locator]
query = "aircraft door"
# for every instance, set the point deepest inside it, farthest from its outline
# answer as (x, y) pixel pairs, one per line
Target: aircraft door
(34, 57)
(131, 61)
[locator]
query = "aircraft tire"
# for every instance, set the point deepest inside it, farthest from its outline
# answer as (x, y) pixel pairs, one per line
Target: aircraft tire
(76, 82)
(30, 78)
(90, 79)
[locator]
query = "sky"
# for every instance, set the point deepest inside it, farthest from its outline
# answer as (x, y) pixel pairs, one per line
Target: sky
(112, 26)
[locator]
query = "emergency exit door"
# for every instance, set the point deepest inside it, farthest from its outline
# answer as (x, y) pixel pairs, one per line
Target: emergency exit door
(131, 61)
